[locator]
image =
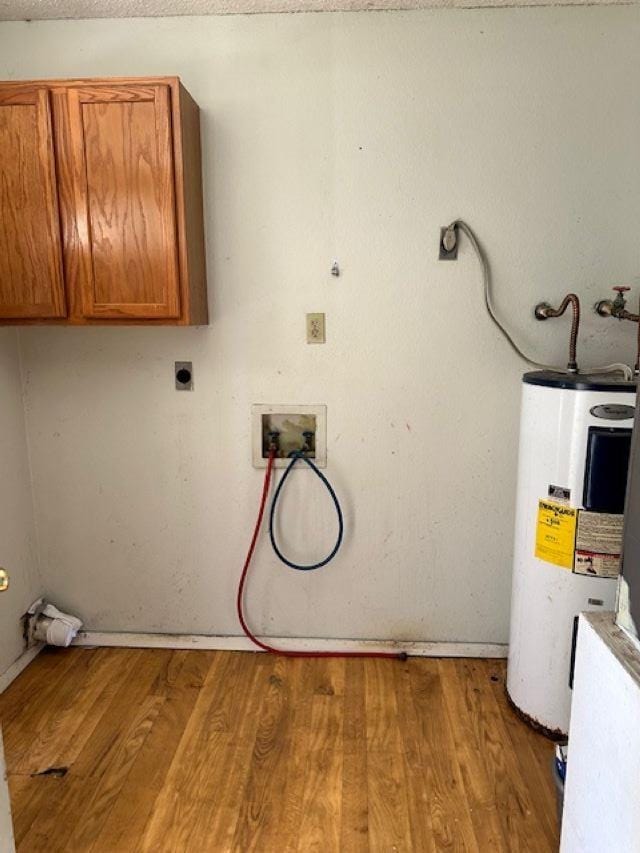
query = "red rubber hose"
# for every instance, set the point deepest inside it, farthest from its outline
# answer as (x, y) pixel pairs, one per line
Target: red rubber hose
(240, 598)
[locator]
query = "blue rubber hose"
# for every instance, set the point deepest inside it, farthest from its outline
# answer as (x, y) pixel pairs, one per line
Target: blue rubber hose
(272, 514)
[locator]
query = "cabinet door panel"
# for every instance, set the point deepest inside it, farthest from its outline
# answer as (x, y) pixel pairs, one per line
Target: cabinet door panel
(122, 201)
(31, 279)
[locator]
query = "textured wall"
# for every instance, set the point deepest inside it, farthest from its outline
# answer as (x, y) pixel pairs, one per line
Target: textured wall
(351, 137)
(17, 533)
(30, 10)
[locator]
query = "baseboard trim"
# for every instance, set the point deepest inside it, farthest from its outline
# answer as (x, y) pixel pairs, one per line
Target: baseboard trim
(17, 666)
(234, 643)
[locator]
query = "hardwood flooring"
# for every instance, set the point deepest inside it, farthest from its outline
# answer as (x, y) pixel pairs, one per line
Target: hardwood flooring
(126, 750)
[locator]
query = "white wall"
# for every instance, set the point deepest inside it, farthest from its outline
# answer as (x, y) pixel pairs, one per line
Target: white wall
(17, 532)
(348, 136)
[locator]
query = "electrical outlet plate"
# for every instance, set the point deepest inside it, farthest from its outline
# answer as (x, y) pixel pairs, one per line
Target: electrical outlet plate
(290, 421)
(315, 329)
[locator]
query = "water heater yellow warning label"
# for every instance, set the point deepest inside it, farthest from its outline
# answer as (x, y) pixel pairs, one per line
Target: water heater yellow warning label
(556, 533)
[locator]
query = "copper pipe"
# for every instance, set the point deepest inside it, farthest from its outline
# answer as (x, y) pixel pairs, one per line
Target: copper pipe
(636, 366)
(635, 318)
(615, 308)
(544, 311)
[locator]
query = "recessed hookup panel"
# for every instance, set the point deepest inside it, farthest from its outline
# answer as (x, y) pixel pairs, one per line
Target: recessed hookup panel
(289, 433)
(299, 427)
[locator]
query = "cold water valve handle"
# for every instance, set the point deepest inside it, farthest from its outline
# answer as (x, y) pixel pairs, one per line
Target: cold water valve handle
(308, 441)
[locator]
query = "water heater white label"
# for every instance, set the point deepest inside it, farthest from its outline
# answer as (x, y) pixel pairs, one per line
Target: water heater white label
(598, 544)
(598, 565)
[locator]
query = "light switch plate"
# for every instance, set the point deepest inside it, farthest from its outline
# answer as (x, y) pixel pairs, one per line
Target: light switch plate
(315, 328)
(290, 421)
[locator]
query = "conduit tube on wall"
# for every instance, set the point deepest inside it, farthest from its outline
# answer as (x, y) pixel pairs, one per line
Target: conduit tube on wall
(486, 281)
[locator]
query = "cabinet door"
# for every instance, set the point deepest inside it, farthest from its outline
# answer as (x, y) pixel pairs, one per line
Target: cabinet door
(31, 279)
(118, 201)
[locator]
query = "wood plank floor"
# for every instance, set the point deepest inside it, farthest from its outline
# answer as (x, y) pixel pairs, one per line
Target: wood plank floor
(156, 750)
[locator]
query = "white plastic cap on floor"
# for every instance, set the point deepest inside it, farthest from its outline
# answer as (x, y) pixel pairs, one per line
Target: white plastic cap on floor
(55, 627)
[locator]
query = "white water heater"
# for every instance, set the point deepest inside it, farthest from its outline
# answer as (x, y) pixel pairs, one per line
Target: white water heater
(575, 435)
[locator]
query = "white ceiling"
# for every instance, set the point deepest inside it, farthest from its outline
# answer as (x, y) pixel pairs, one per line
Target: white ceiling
(20, 10)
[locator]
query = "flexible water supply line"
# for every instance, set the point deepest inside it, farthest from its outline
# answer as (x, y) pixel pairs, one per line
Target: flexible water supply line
(544, 311)
(272, 514)
(245, 569)
(486, 283)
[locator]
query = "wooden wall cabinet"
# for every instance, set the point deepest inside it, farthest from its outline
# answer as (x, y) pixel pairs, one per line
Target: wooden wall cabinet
(101, 216)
